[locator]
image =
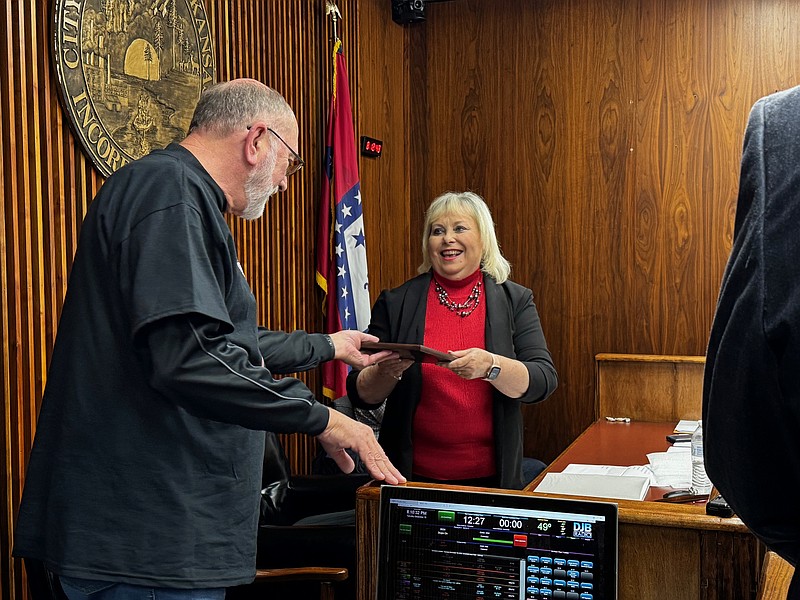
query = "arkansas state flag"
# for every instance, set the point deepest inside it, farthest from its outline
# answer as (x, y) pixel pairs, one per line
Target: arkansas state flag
(341, 252)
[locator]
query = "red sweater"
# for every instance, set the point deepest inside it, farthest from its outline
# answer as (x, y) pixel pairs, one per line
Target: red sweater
(453, 430)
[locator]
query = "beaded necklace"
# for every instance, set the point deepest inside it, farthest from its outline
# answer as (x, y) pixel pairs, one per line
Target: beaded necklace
(462, 309)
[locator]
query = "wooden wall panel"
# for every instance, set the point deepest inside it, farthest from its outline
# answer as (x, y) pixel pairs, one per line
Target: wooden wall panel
(383, 89)
(46, 186)
(606, 136)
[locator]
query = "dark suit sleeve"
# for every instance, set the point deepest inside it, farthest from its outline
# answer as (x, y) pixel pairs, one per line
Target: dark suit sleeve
(379, 327)
(751, 392)
(530, 348)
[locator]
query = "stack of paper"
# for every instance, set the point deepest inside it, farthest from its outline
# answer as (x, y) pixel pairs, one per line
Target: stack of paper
(673, 467)
(595, 485)
(635, 471)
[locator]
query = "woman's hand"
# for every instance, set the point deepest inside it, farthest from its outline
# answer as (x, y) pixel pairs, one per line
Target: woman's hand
(473, 363)
(393, 368)
(376, 382)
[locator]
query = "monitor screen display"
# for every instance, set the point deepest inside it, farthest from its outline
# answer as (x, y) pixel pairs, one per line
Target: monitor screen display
(446, 543)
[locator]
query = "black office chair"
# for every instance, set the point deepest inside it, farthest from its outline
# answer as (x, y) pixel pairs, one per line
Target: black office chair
(307, 526)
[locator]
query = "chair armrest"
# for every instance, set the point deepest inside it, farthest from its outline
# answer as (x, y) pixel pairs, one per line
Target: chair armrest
(312, 495)
(303, 574)
(286, 502)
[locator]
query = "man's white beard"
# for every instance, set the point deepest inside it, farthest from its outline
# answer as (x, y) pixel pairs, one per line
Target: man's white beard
(259, 188)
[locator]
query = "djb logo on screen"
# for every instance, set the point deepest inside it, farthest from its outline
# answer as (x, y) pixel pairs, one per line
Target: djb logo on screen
(582, 530)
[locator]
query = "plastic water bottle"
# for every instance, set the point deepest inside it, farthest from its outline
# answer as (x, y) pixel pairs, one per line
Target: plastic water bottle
(700, 481)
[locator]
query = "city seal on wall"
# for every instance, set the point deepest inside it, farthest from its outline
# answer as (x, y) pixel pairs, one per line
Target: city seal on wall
(130, 73)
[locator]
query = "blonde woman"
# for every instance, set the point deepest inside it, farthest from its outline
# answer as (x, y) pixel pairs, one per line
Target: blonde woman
(460, 422)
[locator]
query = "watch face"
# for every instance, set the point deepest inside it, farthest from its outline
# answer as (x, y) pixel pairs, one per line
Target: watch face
(493, 373)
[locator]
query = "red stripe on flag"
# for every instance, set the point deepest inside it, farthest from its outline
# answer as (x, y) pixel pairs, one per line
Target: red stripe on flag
(340, 179)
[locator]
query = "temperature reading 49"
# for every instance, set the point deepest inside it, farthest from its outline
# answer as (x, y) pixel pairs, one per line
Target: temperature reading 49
(544, 526)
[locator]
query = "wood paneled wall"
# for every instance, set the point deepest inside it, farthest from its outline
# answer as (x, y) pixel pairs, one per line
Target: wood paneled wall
(47, 184)
(605, 135)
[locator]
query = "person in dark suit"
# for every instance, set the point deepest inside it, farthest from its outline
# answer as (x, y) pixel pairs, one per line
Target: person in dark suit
(460, 422)
(751, 393)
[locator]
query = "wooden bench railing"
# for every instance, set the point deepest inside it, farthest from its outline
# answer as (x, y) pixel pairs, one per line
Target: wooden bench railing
(649, 387)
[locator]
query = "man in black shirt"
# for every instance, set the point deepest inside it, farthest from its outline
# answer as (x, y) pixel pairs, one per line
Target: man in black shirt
(146, 466)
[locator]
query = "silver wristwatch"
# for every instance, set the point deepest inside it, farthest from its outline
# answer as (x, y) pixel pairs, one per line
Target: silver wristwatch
(493, 371)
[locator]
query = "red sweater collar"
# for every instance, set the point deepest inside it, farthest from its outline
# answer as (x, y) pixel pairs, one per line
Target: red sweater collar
(454, 286)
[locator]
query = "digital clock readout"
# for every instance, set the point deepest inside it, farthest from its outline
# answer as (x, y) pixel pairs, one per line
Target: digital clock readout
(474, 520)
(495, 523)
(542, 526)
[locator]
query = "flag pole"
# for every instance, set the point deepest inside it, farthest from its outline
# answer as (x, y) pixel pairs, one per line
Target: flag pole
(333, 10)
(341, 249)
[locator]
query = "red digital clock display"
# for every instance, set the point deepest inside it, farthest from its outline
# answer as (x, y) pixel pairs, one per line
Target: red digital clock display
(371, 146)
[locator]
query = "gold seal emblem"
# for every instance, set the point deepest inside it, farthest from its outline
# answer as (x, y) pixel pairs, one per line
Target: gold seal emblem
(130, 73)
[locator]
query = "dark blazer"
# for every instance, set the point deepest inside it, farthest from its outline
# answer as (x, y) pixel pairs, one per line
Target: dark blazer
(512, 330)
(751, 393)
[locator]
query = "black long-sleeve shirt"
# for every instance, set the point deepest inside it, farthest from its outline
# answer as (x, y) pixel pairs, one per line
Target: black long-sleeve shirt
(146, 466)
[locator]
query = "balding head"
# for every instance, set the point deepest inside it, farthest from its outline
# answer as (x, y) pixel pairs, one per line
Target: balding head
(244, 134)
(234, 105)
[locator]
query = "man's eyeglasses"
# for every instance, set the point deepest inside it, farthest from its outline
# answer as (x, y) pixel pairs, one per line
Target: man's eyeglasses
(295, 162)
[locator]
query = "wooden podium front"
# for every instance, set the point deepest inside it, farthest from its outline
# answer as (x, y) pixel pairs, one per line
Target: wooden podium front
(665, 550)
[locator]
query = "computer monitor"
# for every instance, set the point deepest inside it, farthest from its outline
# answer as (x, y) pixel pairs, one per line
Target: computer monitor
(450, 543)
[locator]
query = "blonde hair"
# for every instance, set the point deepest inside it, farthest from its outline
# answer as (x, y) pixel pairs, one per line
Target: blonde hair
(493, 262)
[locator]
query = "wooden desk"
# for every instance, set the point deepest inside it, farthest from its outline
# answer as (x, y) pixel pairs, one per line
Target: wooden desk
(665, 550)
(673, 549)
(624, 444)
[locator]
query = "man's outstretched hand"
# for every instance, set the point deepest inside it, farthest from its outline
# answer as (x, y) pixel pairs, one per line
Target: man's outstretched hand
(342, 433)
(347, 348)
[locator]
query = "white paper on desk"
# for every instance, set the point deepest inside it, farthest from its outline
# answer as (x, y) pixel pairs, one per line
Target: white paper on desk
(618, 471)
(680, 447)
(672, 468)
(686, 426)
(594, 485)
